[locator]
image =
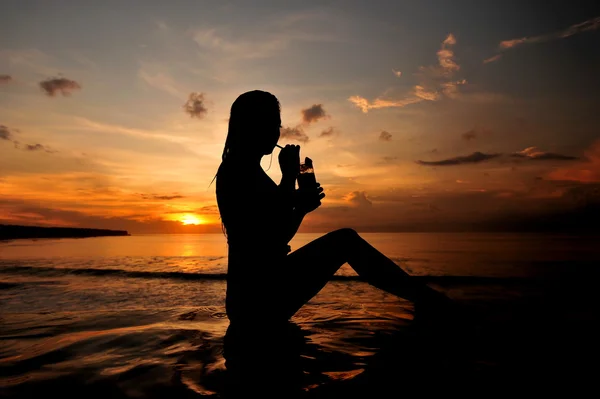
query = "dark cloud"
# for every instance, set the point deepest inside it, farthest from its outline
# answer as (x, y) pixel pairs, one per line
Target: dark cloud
(37, 147)
(470, 135)
(194, 106)
(533, 153)
(475, 133)
(33, 147)
(389, 159)
(5, 79)
(5, 133)
(180, 212)
(64, 86)
(214, 209)
(313, 114)
(475, 157)
(168, 197)
(328, 132)
(162, 197)
(294, 133)
(385, 136)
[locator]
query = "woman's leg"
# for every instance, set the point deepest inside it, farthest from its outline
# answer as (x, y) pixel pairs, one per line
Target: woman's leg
(309, 268)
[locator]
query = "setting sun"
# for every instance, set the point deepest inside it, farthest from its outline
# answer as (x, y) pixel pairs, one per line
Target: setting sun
(191, 219)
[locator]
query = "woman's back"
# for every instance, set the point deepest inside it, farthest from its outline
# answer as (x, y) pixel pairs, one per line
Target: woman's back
(249, 203)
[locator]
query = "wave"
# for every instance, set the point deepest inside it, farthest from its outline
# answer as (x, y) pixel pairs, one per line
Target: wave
(120, 273)
(64, 271)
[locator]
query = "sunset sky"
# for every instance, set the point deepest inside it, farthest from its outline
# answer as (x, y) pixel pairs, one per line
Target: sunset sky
(421, 115)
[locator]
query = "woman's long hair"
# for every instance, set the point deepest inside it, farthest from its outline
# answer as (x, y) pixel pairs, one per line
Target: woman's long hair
(249, 112)
(248, 115)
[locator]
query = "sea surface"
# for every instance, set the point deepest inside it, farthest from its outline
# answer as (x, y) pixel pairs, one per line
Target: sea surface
(143, 316)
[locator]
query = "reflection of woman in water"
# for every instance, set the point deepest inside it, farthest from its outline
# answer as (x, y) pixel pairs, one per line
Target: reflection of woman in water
(260, 218)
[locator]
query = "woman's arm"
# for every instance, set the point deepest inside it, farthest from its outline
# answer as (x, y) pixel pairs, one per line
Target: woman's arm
(290, 219)
(287, 188)
(303, 202)
(292, 224)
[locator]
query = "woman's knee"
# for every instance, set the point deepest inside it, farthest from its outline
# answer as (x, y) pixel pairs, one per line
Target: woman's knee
(345, 234)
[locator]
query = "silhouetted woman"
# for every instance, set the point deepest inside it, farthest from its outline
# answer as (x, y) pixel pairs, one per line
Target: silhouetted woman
(260, 218)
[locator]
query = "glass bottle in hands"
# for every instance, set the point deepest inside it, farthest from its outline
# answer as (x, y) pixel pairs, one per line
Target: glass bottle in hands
(306, 177)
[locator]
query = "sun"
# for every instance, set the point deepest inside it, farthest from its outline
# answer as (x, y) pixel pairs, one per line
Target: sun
(190, 219)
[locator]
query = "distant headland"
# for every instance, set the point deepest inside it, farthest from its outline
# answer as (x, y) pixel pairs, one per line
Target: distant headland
(13, 232)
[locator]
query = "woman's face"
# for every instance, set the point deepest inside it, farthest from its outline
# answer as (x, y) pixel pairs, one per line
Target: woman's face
(272, 133)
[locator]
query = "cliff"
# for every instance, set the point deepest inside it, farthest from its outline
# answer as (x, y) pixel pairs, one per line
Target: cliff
(11, 232)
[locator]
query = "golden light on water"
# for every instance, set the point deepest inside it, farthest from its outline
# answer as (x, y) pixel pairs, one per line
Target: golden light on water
(188, 219)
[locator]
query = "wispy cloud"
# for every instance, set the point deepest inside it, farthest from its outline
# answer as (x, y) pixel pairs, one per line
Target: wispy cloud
(5, 79)
(313, 113)
(492, 59)
(214, 39)
(435, 82)
(366, 105)
(385, 136)
(534, 153)
(195, 106)
(396, 73)
(161, 25)
(424, 94)
(446, 56)
(294, 133)
(475, 157)
(29, 59)
(106, 128)
(65, 86)
(516, 42)
(329, 132)
(588, 25)
(162, 81)
(266, 39)
(450, 89)
(84, 61)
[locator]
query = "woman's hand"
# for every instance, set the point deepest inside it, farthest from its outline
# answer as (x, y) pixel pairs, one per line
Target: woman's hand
(309, 199)
(289, 161)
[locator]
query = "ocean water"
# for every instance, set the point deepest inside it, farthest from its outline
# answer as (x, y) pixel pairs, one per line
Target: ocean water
(143, 315)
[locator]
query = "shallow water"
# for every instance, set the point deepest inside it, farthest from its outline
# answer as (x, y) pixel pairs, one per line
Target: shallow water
(129, 316)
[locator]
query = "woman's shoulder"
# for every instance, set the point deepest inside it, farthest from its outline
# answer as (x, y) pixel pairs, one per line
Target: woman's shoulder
(231, 175)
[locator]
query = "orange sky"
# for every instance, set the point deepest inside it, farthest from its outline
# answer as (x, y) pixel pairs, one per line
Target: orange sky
(418, 117)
